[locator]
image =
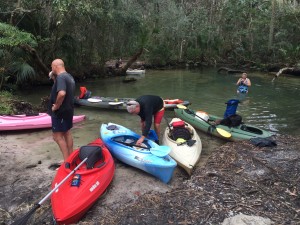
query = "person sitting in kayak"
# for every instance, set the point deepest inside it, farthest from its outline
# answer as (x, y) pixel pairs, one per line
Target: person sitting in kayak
(243, 84)
(147, 106)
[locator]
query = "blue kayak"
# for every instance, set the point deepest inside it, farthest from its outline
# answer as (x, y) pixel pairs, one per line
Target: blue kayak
(150, 157)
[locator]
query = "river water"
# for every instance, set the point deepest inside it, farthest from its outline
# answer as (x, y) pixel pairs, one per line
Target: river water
(273, 106)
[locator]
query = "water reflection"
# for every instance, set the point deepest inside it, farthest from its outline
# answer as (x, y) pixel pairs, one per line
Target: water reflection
(270, 105)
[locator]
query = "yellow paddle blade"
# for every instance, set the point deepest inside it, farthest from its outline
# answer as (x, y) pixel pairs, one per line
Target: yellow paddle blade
(224, 133)
(180, 106)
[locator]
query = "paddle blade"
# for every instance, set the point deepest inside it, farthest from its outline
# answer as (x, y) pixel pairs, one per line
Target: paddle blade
(180, 106)
(160, 151)
(23, 220)
(223, 133)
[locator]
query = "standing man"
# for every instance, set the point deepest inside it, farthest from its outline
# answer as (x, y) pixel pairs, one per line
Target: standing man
(147, 106)
(62, 107)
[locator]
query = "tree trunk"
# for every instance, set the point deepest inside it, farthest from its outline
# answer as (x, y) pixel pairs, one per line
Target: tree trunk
(288, 70)
(122, 70)
(36, 58)
(272, 24)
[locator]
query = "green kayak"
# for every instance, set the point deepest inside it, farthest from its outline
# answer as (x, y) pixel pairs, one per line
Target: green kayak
(207, 123)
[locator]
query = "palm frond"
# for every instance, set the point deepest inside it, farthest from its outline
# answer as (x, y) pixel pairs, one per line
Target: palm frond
(23, 71)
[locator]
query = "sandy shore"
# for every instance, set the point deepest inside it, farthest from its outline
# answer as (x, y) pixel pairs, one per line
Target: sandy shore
(27, 175)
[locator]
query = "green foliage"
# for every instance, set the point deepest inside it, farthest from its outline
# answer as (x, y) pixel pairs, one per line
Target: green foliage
(5, 103)
(193, 54)
(10, 36)
(23, 72)
(160, 55)
(67, 50)
(92, 31)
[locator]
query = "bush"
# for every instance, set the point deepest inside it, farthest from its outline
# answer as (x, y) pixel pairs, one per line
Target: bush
(5, 103)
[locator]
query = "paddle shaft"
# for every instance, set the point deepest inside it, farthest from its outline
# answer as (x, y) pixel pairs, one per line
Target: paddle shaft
(63, 181)
(23, 220)
(199, 117)
(132, 145)
(220, 131)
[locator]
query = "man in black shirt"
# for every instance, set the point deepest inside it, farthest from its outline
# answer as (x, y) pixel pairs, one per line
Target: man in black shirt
(62, 107)
(147, 106)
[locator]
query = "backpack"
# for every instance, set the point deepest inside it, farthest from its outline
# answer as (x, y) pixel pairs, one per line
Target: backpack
(263, 142)
(181, 132)
(231, 107)
(232, 121)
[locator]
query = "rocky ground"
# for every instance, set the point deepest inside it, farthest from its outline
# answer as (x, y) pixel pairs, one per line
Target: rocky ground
(237, 178)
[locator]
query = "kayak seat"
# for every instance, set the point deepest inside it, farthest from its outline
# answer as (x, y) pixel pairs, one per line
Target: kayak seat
(131, 141)
(93, 153)
(181, 132)
(112, 127)
(251, 129)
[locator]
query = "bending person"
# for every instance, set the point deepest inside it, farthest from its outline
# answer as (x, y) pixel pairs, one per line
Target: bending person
(147, 106)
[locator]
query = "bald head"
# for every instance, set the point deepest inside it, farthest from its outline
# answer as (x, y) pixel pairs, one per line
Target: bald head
(58, 66)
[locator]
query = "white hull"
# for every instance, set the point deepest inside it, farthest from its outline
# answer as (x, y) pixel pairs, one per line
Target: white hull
(186, 156)
(135, 72)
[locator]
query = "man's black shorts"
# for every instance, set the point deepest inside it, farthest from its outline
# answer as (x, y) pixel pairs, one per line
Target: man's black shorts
(61, 125)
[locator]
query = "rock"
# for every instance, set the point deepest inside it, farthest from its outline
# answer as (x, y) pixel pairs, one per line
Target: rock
(242, 219)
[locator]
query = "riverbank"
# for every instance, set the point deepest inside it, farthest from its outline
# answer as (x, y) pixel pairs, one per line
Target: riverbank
(237, 178)
(28, 170)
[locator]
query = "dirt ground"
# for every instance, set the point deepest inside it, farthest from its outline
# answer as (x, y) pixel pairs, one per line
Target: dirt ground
(28, 170)
(237, 178)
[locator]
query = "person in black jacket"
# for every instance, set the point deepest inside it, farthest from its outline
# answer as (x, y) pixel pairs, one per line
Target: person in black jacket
(147, 106)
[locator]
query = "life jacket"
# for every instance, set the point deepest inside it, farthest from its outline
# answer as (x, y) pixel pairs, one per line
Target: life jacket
(243, 89)
(84, 93)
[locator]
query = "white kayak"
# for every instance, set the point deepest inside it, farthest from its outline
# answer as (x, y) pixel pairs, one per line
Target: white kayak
(185, 144)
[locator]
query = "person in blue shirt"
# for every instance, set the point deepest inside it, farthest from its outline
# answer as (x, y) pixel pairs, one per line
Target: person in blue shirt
(243, 83)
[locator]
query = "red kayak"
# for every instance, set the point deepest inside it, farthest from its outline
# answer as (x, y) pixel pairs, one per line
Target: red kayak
(77, 194)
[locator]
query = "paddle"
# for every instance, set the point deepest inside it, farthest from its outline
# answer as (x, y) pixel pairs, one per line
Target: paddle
(23, 220)
(221, 131)
(160, 151)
